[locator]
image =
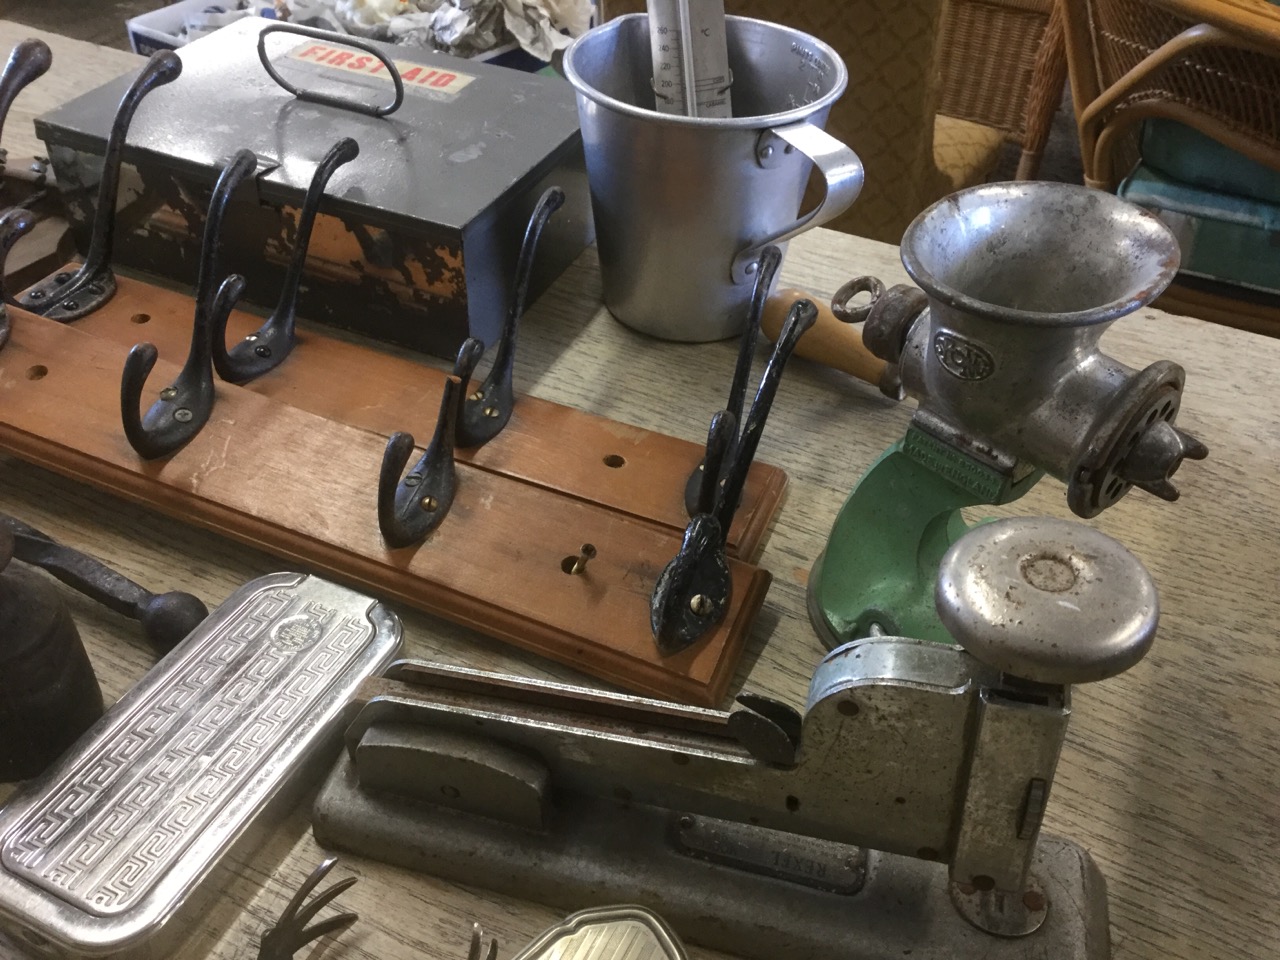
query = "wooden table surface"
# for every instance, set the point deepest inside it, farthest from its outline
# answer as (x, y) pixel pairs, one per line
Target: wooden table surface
(1171, 772)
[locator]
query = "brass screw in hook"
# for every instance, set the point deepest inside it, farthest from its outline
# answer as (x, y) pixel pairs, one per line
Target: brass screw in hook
(575, 565)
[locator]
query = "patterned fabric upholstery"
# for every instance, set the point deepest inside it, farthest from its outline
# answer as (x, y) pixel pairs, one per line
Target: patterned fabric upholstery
(966, 152)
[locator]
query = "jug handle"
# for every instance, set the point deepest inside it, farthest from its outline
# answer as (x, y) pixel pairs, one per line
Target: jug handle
(839, 166)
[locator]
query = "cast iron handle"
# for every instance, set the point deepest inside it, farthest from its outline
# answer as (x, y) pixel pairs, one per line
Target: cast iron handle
(166, 618)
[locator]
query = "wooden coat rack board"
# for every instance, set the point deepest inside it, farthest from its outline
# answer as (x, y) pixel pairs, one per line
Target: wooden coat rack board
(289, 463)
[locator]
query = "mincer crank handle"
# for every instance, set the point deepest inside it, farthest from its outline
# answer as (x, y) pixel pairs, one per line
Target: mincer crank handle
(829, 341)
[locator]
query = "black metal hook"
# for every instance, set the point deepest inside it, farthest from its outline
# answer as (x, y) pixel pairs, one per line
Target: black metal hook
(185, 406)
(274, 340)
(28, 61)
(488, 409)
(69, 296)
(14, 222)
(234, 172)
(693, 592)
(801, 317)
(291, 933)
(769, 262)
(410, 508)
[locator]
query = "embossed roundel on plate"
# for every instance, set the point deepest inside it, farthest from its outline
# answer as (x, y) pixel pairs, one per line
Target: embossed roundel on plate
(962, 357)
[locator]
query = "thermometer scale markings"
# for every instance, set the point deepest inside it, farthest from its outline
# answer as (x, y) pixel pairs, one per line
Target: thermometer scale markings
(690, 59)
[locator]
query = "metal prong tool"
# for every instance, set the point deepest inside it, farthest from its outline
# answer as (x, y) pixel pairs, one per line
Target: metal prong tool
(68, 296)
(291, 932)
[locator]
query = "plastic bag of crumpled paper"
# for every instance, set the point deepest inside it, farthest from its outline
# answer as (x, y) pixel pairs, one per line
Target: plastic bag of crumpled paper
(198, 23)
(460, 27)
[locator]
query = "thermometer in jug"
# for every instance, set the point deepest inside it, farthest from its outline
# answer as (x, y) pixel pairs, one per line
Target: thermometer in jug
(690, 60)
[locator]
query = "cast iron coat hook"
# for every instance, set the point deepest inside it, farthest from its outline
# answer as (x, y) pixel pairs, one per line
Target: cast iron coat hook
(185, 406)
(770, 260)
(410, 508)
(66, 296)
(488, 409)
(799, 320)
(267, 349)
(14, 222)
(693, 591)
(28, 61)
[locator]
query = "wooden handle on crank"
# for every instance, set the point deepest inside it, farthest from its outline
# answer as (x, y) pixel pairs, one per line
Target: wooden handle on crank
(829, 341)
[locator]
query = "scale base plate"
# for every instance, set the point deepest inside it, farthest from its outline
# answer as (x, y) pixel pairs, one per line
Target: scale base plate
(597, 851)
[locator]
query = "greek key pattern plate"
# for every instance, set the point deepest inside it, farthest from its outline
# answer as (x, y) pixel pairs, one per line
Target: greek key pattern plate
(192, 749)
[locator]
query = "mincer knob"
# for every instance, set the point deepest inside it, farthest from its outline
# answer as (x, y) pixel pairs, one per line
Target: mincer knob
(1046, 600)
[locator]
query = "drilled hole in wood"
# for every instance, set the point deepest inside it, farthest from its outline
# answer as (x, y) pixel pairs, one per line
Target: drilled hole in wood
(38, 372)
(141, 317)
(615, 461)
